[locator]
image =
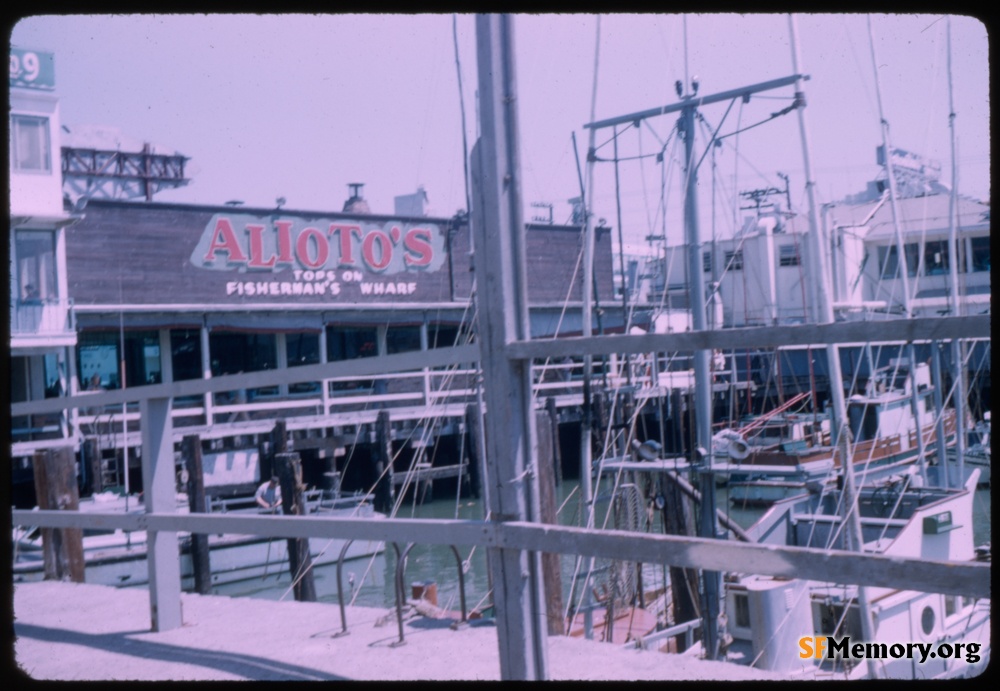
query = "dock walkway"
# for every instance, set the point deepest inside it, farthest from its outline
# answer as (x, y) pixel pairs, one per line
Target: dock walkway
(71, 631)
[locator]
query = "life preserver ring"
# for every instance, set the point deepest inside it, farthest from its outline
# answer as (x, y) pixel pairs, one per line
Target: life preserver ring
(732, 443)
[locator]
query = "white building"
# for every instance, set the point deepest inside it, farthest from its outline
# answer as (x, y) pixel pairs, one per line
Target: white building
(41, 321)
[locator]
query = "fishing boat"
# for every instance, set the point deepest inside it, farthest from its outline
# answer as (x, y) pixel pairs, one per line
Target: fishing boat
(768, 617)
(883, 428)
(118, 558)
(977, 454)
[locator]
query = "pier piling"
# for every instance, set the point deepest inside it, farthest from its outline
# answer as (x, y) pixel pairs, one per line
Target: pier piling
(55, 485)
(551, 571)
(293, 502)
(382, 458)
(200, 560)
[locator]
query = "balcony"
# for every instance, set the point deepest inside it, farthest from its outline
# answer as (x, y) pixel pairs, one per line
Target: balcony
(47, 322)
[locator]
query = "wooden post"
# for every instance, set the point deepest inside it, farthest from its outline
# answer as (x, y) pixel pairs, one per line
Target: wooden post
(472, 433)
(384, 493)
(498, 233)
(550, 408)
(55, 487)
(200, 560)
(677, 520)
(159, 487)
(551, 567)
(92, 456)
(293, 502)
(279, 438)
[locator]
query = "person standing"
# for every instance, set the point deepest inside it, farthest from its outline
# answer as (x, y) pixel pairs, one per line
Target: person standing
(269, 494)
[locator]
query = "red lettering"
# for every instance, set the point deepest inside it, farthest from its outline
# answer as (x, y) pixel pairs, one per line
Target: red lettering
(224, 240)
(285, 242)
(418, 247)
(257, 260)
(302, 248)
(347, 233)
(385, 249)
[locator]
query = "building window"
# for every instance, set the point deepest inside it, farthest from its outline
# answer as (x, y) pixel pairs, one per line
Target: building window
(401, 339)
(788, 255)
(35, 252)
(185, 354)
(348, 343)
(236, 352)
(448, 335)
(99, 355)
(302, 349)
(981, 254)
(706, 262)
(734, 260)
(30, 148)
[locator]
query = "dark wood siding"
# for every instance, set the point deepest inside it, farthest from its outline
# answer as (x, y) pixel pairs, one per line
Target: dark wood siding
(140, 254)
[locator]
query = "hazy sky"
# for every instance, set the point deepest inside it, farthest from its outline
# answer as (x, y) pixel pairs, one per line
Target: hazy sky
(298, 106)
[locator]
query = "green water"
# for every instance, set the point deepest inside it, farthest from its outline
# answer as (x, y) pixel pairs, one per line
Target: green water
(373, 578)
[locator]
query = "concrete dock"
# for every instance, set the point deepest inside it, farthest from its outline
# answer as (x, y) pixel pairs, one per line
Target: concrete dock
(73, 631)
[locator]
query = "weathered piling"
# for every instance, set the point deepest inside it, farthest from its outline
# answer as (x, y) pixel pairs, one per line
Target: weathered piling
(472, 439)
(200, 559)
(678, 519)
(551, 568)
(382, 458)
(293, 502)
(92, 457)
(553, 422)
(55, 487)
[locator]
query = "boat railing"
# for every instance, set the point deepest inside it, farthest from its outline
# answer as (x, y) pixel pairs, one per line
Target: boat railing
(400, 590)
(686, 629)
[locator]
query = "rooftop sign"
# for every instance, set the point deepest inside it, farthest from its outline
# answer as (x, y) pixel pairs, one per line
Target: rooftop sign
(318, 256)
(32, 69)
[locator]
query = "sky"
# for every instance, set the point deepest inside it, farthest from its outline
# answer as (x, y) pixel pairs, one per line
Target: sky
(299, 106)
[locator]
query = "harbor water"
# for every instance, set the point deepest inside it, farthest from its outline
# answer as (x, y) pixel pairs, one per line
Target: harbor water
(369, 582)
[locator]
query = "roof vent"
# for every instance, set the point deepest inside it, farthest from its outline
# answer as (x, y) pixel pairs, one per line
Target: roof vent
(356, 204)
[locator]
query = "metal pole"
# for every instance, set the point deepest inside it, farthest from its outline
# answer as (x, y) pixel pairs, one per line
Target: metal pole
(711, 580)
(956, 308)
(839, 405)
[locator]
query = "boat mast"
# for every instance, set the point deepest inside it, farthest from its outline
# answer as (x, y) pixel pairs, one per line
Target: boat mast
(902, 267)
(711, 581)
(820, 267)
(956, 346)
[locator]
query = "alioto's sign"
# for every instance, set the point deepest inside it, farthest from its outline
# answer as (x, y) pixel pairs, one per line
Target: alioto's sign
(326, 257)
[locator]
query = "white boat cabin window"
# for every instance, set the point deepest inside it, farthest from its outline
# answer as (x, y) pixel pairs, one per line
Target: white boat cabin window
(30, 145)
(980, 254)
(788, 255)
(888, 259)
(742, 602)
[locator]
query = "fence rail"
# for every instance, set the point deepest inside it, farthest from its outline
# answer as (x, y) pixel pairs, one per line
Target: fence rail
(968, 579)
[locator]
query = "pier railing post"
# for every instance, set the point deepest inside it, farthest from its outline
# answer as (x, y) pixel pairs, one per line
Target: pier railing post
(55, 485)
(384, 498)
(293, 501)
(159, 491)
(501, 296)
(200, 560)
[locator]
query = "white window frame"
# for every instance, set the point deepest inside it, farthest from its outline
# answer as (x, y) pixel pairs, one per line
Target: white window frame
(33, 132)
